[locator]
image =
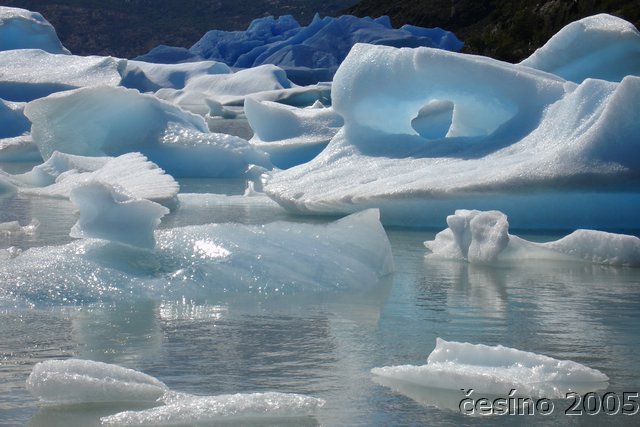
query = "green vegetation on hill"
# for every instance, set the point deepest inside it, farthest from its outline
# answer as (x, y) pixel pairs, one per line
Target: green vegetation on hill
(505, 29)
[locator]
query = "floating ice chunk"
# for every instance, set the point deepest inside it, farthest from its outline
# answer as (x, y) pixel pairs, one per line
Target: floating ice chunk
(601, 46)
(227, 89)
(23, 29)
(71, 381)
(545, 151)
(483, 237)
(74, 381)
(59, 175)
(300, 96)
(290, 135)
(164, 54)
(109, 213)
(19, 149)
(12, 119)
(31, 73)
(147, 77)
(111, 121)
(350, 256)
(13, 228)
(187, 409)
(496, 371)
(434, 119)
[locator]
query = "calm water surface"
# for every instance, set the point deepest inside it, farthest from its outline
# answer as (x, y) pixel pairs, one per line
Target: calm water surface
(589, 314)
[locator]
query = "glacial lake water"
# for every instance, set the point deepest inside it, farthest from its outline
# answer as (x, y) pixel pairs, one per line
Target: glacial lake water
(586, 313)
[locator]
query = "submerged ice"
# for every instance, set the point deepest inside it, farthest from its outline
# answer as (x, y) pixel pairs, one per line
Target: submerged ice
(496, 371)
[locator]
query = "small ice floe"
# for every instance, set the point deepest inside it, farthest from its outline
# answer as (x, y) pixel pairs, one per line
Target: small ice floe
(110, 213)
(483, 237)
(494, 371)
(74, 381)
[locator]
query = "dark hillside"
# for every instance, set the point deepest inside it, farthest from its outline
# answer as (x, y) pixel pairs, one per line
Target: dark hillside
(505, 29)
(127, 28)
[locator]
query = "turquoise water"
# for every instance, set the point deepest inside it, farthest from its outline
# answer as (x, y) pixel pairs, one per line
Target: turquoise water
(589, 314)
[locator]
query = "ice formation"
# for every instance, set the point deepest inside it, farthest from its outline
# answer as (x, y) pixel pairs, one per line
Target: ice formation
(483, 237)
(12, 228)
(496, 371)
(110, 213)
(289, 134)
(312, 53)
(187, 409)
(111, 121)
(545, 151)
(277, 260)
(72, 381)
(601, 46)
(59, 175)
(226, 89)
(23, 29)
(28, 74)
(148, 77)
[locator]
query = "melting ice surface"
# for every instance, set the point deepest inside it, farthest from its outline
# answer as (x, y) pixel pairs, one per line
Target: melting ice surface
(75, 381)
(496, 371)
(280, 259)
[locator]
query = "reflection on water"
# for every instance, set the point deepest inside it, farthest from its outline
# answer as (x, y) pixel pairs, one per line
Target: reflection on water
(326, 349)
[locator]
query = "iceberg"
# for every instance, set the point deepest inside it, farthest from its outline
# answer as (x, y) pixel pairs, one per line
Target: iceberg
(547, 152)
(111, 121)
(312, 53)
(291, 135)
(110, 213)
(147, 77)
(496, 371)
(279, 260)
(12, 120)
(483, 237)
(58, 176)
(226, 89)
(74, 381)
(601, 46)
(18, 149)
(29, 74)
(23, 29)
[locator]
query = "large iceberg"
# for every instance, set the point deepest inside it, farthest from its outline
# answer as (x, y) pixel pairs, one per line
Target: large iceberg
(23, 29)
(28, 74)
(110, 121)
(75, 381)
(312, 53)
(215, 261)
(496, 371)
(423, 138)
(601, 46)
(483, 237)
